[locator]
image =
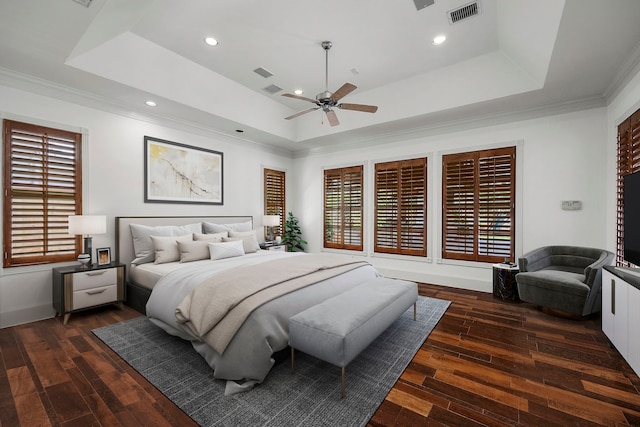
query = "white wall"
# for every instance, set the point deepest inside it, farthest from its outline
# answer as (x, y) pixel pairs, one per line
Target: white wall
(559, 158)
(113, 183)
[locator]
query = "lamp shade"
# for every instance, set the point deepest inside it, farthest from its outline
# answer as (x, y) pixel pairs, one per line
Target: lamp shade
(87, 224)
(271, 220)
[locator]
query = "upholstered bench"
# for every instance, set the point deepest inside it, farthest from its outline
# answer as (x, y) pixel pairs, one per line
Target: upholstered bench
(338, 329)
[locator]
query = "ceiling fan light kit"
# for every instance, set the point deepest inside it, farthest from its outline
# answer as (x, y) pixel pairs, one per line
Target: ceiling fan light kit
(327, 100)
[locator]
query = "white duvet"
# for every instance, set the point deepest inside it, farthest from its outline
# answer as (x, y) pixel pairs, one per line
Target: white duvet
(248, 358)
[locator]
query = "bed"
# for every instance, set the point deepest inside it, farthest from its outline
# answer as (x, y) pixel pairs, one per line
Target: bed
(241, 346)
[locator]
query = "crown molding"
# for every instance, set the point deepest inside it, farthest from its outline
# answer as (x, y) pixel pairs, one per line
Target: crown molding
(627, 71)
(57, 91)
(459, 125)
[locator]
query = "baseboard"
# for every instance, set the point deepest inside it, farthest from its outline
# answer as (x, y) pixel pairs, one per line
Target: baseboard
(27, 315)
(436, 279)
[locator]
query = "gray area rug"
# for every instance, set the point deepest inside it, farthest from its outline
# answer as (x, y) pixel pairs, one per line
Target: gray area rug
(310, 397)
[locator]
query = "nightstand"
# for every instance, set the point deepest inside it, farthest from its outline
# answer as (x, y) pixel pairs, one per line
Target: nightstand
(273, 247)
(76, 288)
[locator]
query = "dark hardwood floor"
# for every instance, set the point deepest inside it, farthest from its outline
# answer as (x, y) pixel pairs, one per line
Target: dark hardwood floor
(487, 363)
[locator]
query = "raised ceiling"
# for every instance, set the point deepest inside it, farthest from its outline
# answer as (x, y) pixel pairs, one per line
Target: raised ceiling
(515, 55)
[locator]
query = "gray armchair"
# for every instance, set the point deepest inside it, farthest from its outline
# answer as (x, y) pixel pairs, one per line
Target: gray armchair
(565, 278)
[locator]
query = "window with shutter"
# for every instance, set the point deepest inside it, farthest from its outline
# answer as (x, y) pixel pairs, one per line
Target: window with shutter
(628, 162)
(275, 197)
(42, 187)
(343, 208)
(479, 205)
(401, 207)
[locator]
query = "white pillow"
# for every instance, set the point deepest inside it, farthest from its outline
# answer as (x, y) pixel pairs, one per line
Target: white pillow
(249, 240)
(142, 244)
(166, 247)
(223, 250)
(213, 237)
(210, 228)
(193, 251)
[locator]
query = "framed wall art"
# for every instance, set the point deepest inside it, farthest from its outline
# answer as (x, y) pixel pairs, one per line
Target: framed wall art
(179, 173)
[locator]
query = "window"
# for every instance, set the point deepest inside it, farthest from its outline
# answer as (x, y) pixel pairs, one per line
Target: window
(42, 187)
(343, 208)
(401, 207)
(628, 162)
(275, 197)
(479, 205)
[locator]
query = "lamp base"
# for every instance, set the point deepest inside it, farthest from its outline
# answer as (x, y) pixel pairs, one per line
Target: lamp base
(87, 248)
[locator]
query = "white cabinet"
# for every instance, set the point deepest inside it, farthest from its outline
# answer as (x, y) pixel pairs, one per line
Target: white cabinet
(621, 314)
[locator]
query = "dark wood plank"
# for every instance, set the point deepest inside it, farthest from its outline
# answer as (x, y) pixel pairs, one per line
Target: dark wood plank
(487, 363)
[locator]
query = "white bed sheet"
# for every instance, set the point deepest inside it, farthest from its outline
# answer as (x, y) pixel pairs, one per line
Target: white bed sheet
(148, 274)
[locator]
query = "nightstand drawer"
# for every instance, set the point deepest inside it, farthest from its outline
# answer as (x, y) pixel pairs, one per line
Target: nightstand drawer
(277, 248)
(94, 296)
(94, 279)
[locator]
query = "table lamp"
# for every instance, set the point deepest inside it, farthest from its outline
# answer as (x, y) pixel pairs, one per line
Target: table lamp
(86, 225)
(270, 221)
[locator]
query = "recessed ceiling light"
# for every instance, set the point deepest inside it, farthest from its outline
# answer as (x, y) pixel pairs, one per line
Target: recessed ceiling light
(439, 40)
(211, 41)
(151, 104)
(298, 91)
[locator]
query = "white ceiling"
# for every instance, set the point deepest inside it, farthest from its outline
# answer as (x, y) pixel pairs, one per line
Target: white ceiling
(516, 55)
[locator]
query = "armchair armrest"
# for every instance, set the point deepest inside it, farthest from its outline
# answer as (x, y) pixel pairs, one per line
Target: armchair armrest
(591, 271)
(535, 260)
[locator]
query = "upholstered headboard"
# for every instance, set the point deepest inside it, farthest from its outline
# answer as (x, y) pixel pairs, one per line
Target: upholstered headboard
(124, 238)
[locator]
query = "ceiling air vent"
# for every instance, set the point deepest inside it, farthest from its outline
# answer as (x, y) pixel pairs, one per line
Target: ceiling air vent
(464, 12)
(263, 72)
(272, 89)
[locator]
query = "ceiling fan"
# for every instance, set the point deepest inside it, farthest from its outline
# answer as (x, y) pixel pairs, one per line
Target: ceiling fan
(327, 100)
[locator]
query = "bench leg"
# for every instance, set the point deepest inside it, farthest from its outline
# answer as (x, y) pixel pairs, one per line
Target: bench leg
(342, 388)
(293, 355)
(414, 311)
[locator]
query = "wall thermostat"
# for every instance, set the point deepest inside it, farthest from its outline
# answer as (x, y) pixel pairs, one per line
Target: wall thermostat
(571, 205)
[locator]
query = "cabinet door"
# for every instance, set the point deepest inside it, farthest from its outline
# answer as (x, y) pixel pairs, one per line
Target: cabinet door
(608, 321)
(634, 324)
(621, 316)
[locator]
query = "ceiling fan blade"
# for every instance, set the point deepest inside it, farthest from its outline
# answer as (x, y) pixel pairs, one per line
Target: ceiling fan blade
(344, 90)
(302, 98)
(359, 107)
(333, 119)
(301, 113)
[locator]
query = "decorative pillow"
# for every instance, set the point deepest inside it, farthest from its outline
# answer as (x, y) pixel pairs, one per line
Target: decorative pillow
(213, 237)
(142, 244)
(225, 249)
(249, 240)
(166, 247)
(210, 228)
(193, 251)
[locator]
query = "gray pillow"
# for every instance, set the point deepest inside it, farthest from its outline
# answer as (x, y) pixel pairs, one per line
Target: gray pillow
(166, 247)
(142, 244)
(210, 228)
(213, 237)
(249, 240)
(193, 251)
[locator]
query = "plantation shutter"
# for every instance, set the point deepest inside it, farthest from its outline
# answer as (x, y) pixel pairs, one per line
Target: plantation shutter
(628, 162)
(42, 184)
(479, 205)
(343, 204)
(400, 207)
(275, 197)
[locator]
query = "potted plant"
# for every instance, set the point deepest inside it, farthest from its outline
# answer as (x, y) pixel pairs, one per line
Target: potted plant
(292, 236)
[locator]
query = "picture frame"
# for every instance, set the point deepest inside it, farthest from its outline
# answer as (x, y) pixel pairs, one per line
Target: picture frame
(103, 256)
(180, 173)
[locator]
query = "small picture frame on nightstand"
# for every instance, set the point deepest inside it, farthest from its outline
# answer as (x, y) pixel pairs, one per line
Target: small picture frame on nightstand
(103, 255)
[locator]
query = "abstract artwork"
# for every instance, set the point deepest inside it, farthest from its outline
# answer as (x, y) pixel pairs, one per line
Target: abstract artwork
(179, 173)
